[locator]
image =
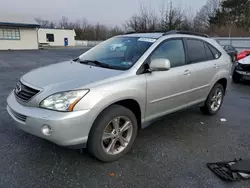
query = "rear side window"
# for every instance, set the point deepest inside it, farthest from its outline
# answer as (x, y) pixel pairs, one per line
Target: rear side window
(210, 55)
(215, 52)
(196, 51)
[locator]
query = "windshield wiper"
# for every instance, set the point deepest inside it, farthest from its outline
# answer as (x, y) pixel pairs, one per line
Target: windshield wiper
(97, 63)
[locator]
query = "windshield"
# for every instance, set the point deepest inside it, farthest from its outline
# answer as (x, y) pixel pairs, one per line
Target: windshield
(119, 52)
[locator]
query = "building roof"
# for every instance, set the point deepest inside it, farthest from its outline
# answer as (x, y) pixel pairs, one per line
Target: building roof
(17, 21)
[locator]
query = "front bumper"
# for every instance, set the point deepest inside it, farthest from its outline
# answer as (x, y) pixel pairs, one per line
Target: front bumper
(67, 128)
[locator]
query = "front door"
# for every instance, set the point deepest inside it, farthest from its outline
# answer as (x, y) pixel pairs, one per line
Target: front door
(166, 90)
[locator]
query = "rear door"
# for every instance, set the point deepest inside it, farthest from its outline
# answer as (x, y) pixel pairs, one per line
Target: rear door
(204, 65)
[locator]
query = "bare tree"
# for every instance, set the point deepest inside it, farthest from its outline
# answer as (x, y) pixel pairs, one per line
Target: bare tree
(45, 23)
(145, 21)
(201, 21)
(171, 17)
(64, 23)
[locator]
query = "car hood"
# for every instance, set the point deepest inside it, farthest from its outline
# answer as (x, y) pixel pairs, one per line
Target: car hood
(68, 75)
(245, 60)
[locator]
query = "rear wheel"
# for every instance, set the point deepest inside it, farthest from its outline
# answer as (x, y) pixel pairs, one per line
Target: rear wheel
(214, 100)
(113, 133)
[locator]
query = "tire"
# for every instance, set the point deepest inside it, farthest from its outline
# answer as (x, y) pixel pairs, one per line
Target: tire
(97, 146)
(207, 108)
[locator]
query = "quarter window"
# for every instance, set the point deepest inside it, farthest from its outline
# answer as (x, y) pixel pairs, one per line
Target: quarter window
(173, 50)
(196, 51)
(210, 55)
(215, 52)
(9, 34)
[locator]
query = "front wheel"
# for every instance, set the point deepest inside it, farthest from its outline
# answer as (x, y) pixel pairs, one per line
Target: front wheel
(113, 133)
(214, 100)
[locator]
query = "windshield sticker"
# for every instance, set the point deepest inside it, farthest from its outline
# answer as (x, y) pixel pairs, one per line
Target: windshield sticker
(147, 40)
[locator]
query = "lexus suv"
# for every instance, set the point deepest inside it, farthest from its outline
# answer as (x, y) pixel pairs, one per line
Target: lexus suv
(101, 99)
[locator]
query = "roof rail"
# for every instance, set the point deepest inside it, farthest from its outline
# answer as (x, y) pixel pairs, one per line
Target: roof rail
(171, 32)
(154, 31)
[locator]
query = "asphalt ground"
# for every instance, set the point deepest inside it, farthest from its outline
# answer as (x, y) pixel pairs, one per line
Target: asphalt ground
(170, 153)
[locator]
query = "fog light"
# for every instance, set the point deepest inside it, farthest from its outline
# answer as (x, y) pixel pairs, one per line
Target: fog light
(46, 130)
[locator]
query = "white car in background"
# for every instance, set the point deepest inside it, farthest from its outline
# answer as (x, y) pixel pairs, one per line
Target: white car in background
(242, 70)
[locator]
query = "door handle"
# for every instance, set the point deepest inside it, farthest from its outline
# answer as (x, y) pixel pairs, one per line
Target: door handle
(216, 66)
(187, 72)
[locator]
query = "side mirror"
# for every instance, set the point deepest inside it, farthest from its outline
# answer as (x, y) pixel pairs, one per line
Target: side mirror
(159, 65)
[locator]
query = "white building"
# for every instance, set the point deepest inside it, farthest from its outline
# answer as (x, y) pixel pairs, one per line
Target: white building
(56, 37)
(18, 33)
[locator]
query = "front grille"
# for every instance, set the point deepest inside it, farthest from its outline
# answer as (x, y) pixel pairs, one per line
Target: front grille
(245, 67)
(17, 115)
(24, 92)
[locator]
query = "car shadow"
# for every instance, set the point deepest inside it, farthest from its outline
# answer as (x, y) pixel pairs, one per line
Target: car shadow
(168, 129)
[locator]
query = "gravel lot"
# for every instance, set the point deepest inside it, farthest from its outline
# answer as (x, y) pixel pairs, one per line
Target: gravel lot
(170, 153)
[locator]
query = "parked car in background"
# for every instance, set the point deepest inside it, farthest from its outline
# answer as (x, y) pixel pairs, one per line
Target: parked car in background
(243, 54)
(242, 70)
(102, 98)
(231, 51)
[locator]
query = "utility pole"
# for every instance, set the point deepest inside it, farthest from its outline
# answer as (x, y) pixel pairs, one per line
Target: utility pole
(230, 33)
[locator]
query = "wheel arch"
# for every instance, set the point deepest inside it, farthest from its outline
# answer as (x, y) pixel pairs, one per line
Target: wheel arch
(129, 103)
(223, 82)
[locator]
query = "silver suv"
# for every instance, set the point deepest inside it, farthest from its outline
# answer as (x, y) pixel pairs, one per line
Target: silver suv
(102, 98)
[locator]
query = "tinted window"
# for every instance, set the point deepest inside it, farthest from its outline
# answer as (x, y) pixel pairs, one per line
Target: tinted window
(231, 48)
(173, 50)
(215, 52)
(210, 55)
(196, 51)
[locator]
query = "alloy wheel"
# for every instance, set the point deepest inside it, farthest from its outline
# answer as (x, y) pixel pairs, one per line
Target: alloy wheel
(117, 135)
(216, 99)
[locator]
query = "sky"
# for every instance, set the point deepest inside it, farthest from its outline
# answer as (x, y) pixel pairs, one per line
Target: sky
(110, 12)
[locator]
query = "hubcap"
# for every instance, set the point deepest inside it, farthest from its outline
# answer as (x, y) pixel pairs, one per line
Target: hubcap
(216, 99)
(117, 135)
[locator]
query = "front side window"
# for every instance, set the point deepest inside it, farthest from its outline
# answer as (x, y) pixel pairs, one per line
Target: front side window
(9, 34)
(196, 51)
(118, 52)
(231, 48)
(173, 50)
(226, 48)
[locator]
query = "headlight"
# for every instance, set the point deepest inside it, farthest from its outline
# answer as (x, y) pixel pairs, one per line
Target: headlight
(64, 101)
